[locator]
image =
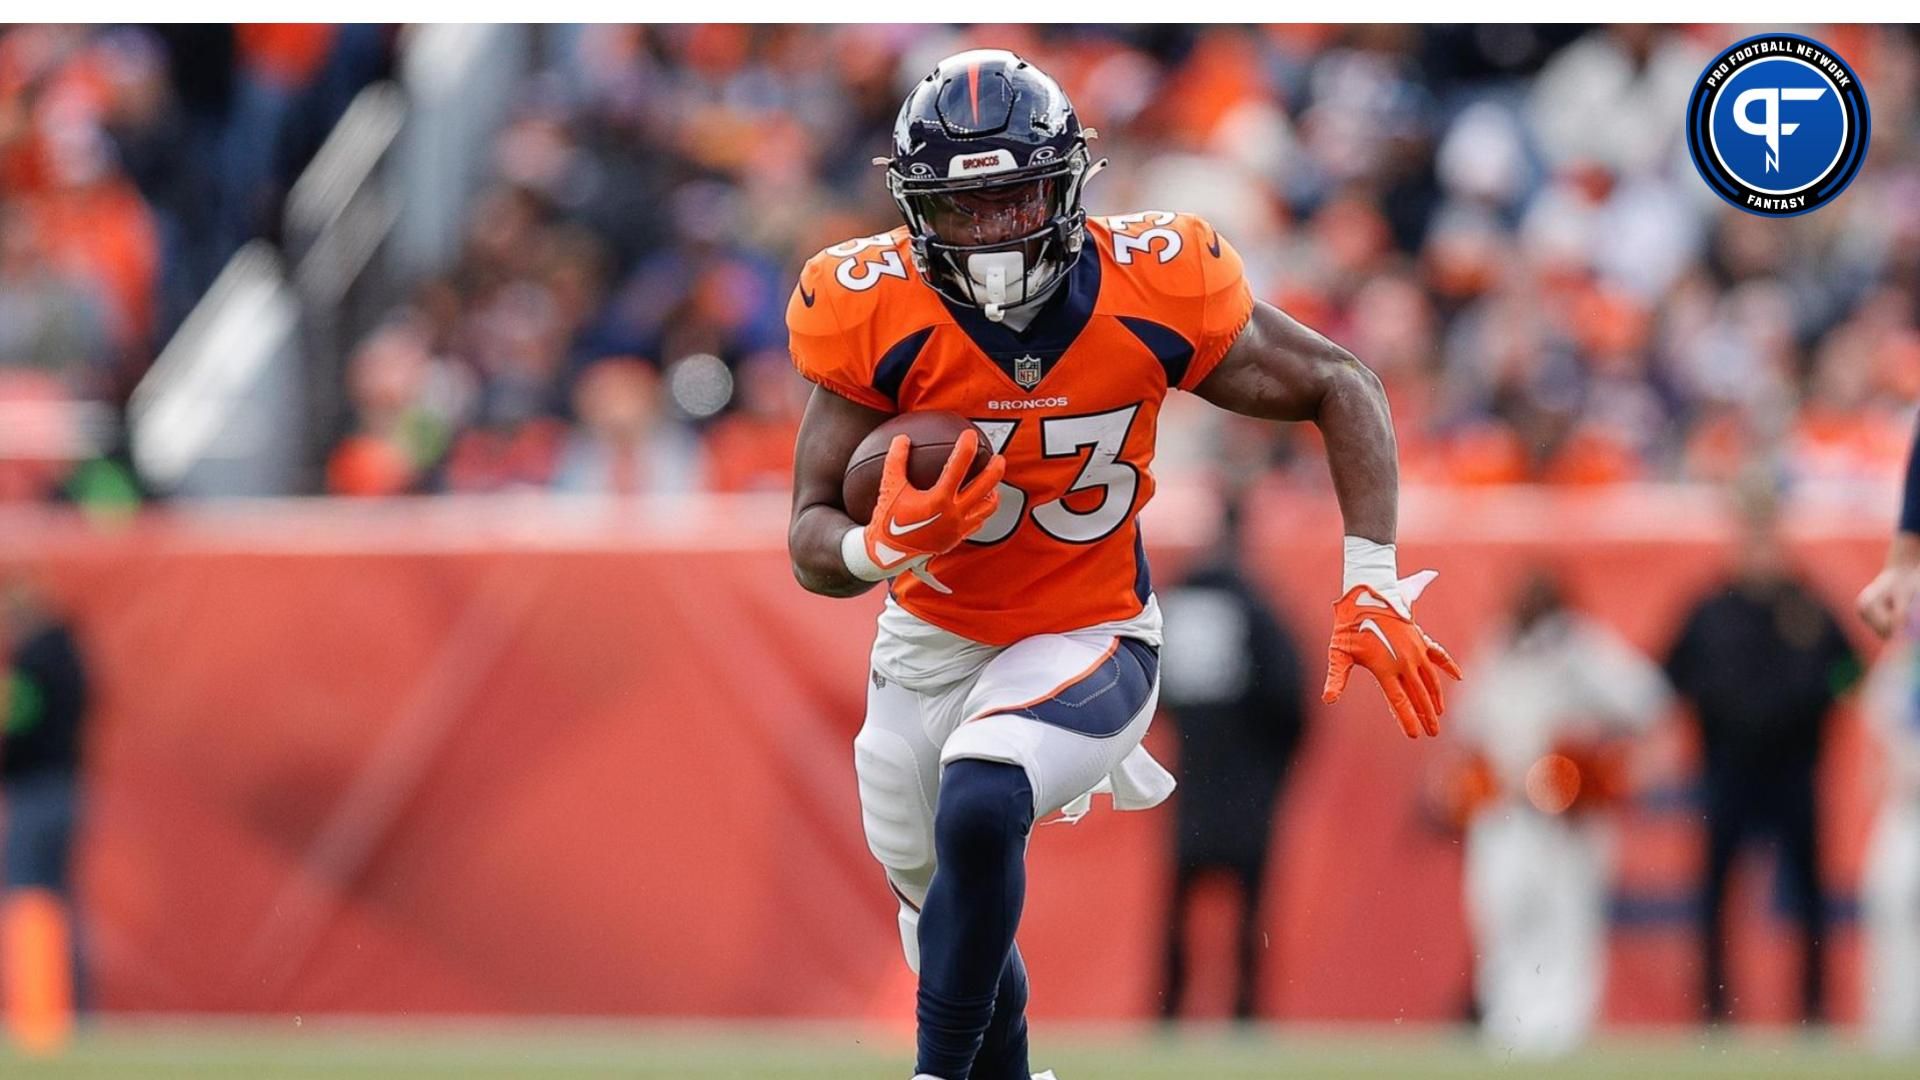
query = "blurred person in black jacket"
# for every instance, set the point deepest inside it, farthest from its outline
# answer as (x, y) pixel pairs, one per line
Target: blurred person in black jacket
(1762, 661)
(1231, 683)
(43, 709)
(46, 704)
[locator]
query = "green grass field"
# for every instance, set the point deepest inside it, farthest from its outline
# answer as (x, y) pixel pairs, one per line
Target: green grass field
(324, 1051)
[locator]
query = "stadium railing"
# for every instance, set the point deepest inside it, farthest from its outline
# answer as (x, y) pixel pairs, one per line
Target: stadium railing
(246, 397)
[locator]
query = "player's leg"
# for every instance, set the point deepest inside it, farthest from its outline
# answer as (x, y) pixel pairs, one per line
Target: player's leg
(1070, 709)
(899, 774)
(1003, 1050)
(1252, 876)
(973, 908)
(1587, 935)
(1173, 986)
(1569, 939)
(39, 947)
(1537, 914)
(898, 768)
(1799, 828)
(1890, 911)
(1046, 720)
(1499, 883)
(1726, 828)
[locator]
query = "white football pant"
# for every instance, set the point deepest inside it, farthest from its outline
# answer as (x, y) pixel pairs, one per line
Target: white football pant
(1537, 904)
(1091, 678)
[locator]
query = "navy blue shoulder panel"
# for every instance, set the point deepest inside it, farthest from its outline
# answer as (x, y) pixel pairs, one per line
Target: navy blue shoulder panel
(898, 360)
(1173, 351)
(1142, 577)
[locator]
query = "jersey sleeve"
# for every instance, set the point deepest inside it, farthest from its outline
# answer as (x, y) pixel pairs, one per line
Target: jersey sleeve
(826, 350)
(1226, 300)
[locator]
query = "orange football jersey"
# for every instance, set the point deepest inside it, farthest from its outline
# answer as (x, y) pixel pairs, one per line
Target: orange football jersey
(1153, 302)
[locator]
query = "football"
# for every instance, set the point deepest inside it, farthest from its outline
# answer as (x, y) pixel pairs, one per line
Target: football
(933, 435)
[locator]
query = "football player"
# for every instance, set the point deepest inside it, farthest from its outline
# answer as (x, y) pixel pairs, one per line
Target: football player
(1016, 664)
(1890, 877)
(1887, 601)
(1553, 687)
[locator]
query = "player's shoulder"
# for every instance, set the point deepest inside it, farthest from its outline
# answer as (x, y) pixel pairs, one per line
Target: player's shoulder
(856, 304)
(851, 284)
(1187, 226)
(1166, 252)
(1177, 271)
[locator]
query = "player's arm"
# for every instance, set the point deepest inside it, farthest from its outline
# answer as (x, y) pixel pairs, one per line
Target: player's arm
(829, 432)
(833, 555)
(1886, 600)
(1278, 369)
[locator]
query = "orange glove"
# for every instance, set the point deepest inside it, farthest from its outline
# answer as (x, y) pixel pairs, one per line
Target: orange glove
(1381, 637)
(911, 525)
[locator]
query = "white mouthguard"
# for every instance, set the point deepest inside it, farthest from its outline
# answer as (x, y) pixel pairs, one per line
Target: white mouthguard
(992, 272)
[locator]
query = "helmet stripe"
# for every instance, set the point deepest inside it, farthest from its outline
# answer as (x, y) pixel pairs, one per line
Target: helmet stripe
(973, 89)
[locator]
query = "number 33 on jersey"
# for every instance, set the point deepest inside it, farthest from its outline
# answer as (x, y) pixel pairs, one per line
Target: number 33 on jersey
(1072, 402)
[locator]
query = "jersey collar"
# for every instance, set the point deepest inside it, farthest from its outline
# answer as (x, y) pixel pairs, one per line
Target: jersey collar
(1053, 330)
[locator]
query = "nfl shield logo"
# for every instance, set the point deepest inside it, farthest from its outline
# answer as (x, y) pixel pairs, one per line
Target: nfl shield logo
(1026, 372)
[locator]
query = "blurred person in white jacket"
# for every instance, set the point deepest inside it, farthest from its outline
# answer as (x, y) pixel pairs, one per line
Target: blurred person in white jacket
(1890, 891)
(1545, 722)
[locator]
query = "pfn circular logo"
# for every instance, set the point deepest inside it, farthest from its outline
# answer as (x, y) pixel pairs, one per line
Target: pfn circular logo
(1778, 125)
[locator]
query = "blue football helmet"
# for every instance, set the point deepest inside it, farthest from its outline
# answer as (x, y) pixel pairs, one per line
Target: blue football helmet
(989, 164)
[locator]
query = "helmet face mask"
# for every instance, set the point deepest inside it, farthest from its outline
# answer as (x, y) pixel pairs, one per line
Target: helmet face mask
(988, 169)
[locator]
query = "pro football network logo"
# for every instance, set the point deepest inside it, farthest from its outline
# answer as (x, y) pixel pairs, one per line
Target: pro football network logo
(1778, 125)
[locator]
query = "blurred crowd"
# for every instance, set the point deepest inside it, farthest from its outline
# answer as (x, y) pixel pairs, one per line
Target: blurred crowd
(133, 162)
(1501, 220)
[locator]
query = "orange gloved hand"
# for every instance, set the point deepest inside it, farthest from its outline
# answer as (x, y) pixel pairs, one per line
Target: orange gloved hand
(1381, 636)
(912, 525)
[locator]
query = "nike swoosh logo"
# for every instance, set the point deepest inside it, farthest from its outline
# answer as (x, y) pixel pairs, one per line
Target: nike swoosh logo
(807, 297)
(1214, 248)
(1369, 624)
(894, 528)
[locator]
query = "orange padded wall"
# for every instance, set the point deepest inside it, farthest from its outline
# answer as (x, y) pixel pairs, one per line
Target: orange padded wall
(535, 758)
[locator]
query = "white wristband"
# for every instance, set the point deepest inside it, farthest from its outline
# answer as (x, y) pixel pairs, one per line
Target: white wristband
(1377, 566)
(853, 552)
